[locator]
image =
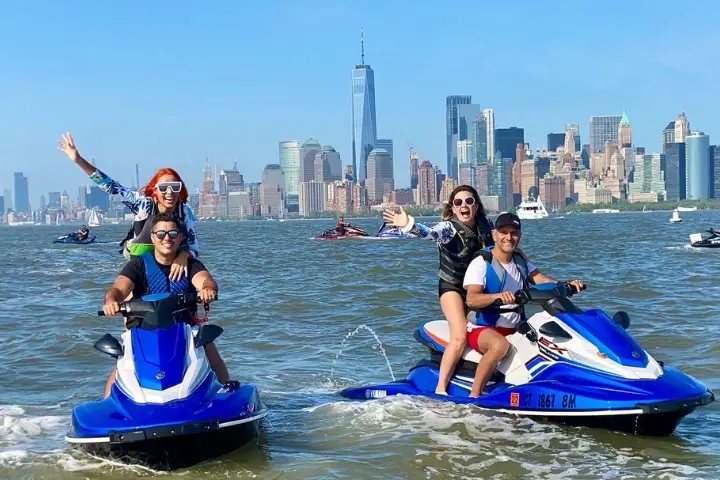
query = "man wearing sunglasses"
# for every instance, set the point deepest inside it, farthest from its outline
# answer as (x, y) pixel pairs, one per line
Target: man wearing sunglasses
(150, 272)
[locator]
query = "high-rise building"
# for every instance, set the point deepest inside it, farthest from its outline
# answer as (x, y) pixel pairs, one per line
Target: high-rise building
(489, 116)
(506, 139)
(239, 204)
(2, 208)
(22, 196)
(328, 166)
(716, 171)
(555, 140)
(7, 195)
(682, 128)
(713, 170)
(290, 164)
(697, 165)
(380, 175)
(575, 129)
(307, 160)
(451, 127)
(648, 176)
(466, 174)
(624, 132)
(602, 129)
(413, 170)
(466, 115)
(363, 112)
(230, 181)
(387, 144)
(272, 191)
(427, 184)
(479, 140)
(668, 135)
(97, 198)
(464, 152)
(675, 180)
(312, 197)
(54, 200)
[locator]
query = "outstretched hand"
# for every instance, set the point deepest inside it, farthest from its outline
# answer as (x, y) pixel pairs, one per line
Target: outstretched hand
(66, 144)
(399, 220)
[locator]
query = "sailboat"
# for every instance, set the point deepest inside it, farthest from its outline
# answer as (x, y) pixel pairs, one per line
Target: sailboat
(94, 220)
(675, 217)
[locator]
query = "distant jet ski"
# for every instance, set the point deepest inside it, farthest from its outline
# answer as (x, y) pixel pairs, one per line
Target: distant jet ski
(712, 241)
(73, 239)
(349, 231)
(387, 231)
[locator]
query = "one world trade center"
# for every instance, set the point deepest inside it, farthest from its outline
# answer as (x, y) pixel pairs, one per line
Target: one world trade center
(363, 111)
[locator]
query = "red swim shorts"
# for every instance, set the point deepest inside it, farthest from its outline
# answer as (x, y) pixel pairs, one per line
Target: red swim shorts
(472, 336)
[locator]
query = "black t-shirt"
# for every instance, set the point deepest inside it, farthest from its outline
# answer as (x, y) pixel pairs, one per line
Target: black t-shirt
(135, 271)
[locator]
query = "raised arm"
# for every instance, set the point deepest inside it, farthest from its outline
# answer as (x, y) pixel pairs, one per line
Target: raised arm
(135, 201)
(443, 232)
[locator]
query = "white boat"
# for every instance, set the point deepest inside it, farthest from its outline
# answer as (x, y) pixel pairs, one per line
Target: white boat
(94, 220)
(675, 217)
(605, 210)
(531, 209)
(686, 209)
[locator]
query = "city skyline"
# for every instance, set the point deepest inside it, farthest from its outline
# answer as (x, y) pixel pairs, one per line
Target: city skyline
(137, 101)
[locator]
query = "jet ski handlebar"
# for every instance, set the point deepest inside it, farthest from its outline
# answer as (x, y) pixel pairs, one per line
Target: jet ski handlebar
(140, 307)
(542, 295)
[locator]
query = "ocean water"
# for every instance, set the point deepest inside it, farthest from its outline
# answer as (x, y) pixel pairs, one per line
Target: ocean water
(289, 302)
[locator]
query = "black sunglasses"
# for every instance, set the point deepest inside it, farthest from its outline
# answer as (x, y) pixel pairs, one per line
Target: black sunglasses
(160, 234)
(470, 201)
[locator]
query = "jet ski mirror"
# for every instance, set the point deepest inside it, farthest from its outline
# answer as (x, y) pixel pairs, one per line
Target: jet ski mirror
(207, 334)
(622, 319)
(109, 345)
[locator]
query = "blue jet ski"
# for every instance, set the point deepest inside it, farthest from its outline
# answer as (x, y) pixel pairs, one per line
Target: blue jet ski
(166, 408)
(72, 239)
(566, 365)
(387, 231)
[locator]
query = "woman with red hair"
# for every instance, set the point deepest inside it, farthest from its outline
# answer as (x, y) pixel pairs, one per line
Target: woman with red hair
(165, 193)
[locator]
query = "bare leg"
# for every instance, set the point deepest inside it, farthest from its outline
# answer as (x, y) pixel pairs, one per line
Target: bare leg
(453, 307)
(110, 381)
(493, 347)
(216, 363)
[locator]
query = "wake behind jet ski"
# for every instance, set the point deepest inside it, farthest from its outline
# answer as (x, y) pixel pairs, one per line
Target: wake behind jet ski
(564, 364)
(166, 408)
(711, 241)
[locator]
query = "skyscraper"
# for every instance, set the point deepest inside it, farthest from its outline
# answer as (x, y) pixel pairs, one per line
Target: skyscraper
(413, 170)
(624, 132)
(489, 115)
(272, 191)
(363, 111)
(675, 181)
(230, 181)
(555, 140)
(380, 175)
(290, 164)
(506, 140)
(479, 139)
(328, 166)
(668, 135)
(7, 195)
(387, 144)
(427, 184)
(716, 171)
(682, 128)
(697, 166)
(451, 127)
(22, 196)
(575, 128)
(307, 160)
(602, 129)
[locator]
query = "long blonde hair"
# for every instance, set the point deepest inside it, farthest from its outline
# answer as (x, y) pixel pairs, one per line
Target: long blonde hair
(447, 212)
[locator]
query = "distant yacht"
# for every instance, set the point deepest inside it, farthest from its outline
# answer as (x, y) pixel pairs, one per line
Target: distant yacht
(687, 209)
(531, 209)
(605, 210)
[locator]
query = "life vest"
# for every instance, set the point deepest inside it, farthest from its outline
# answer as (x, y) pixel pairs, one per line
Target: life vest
(137, 241)
(495, 277)
(456, 255)
(158, 282)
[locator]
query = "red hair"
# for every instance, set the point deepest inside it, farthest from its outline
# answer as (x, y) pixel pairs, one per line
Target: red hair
(149, 189)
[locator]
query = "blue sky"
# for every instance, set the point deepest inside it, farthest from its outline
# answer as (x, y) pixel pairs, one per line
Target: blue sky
(164, 83)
